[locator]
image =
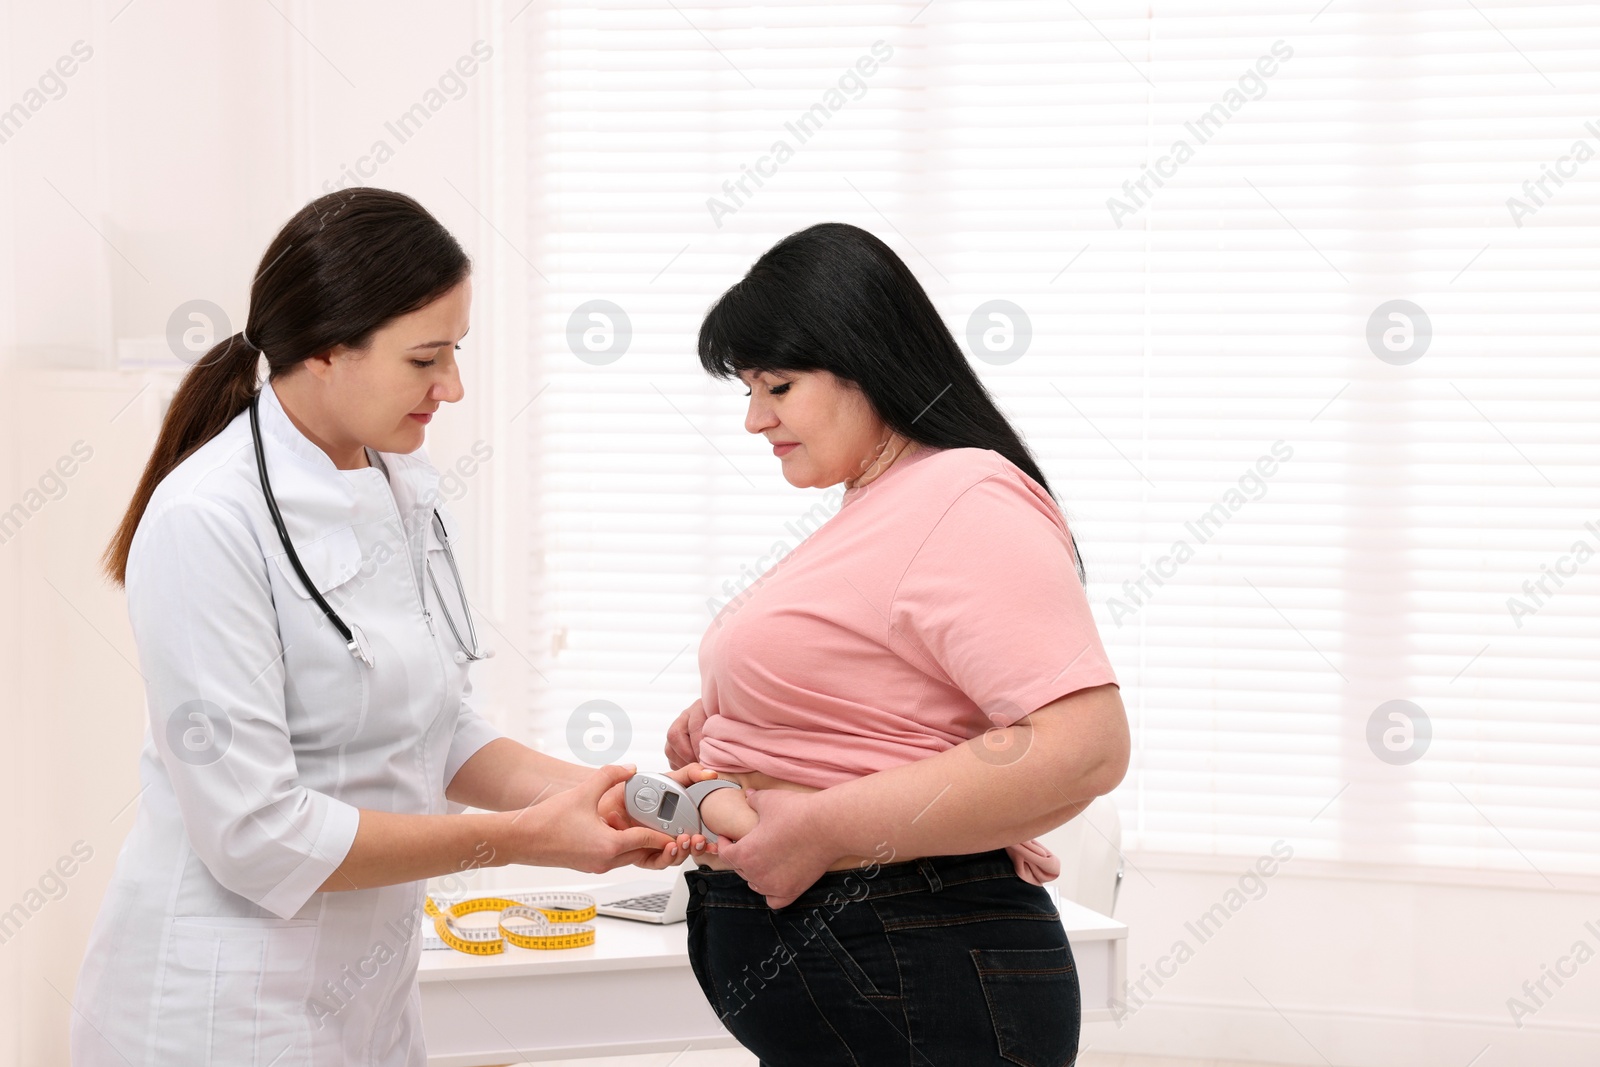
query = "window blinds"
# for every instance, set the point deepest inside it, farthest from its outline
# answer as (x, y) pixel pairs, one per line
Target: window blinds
(1297, 309)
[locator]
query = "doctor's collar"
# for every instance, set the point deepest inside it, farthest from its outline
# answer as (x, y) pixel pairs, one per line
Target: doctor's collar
(412, 478)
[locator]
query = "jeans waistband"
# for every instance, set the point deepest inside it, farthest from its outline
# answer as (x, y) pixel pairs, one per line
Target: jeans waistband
(929, 874)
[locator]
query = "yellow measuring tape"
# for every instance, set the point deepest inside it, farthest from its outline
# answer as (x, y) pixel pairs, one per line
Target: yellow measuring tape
(541, 920)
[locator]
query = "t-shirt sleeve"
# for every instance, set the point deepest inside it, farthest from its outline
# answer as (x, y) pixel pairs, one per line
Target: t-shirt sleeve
(992, 604)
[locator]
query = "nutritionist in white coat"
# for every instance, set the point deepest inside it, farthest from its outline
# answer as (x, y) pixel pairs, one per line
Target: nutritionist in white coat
(305, 643)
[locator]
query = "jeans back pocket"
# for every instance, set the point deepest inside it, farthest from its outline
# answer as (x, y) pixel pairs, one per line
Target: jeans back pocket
(1033, 1003)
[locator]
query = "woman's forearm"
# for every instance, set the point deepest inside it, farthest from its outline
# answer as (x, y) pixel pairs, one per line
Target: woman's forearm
(390, 848)
(505, 774)
(570, 825)
(989, 793)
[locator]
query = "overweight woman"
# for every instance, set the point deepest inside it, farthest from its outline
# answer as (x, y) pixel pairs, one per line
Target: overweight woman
(312, 733)
(914, 693)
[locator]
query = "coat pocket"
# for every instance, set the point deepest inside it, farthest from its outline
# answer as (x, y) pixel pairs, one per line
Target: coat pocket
(326, 689)
(1033, 1003)
(234, 991)
(329, 562)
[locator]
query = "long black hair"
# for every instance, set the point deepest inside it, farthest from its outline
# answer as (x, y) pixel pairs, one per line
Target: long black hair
(344, 265)
(833, 297)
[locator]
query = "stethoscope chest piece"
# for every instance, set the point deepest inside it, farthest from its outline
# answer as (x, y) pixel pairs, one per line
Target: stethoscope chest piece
(359, 646)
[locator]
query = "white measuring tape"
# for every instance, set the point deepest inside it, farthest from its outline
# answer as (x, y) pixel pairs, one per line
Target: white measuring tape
(536, 920)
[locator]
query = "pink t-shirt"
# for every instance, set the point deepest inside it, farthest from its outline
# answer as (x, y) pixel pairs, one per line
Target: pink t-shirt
(940, 601)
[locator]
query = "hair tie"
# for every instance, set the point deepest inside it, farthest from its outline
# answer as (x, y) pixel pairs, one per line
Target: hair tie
(247, 340)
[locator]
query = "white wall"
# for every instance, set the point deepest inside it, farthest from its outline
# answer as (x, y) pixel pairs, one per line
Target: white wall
(1367, 965)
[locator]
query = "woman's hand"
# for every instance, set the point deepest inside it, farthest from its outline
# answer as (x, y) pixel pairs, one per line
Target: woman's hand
(683, 736)
(787, 851)
(614, 810)
(570, 830)
(690, 773)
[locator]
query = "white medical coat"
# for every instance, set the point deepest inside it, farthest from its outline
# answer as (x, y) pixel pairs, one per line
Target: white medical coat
(213, 944)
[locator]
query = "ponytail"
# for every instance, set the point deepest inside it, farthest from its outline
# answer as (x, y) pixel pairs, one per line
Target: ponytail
(344, 265)
(217, 387)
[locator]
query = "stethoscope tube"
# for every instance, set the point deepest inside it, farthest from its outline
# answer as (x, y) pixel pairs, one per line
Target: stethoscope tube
(283, 536)
(468, 651)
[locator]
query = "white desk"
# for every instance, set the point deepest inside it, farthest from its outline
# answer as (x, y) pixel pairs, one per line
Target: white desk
(533, 1006)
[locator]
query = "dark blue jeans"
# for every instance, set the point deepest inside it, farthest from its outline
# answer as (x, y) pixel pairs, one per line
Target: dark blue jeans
(951, 961)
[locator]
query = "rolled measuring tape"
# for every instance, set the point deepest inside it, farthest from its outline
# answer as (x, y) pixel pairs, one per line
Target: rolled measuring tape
(527, 920)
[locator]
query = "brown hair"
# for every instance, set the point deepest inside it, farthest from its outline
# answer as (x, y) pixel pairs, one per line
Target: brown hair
(345, 265)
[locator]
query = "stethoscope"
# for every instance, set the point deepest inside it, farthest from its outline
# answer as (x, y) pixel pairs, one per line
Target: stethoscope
(469, 649)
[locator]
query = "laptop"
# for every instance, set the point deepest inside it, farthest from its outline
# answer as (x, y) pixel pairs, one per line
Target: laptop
(645, 901)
